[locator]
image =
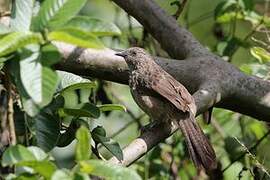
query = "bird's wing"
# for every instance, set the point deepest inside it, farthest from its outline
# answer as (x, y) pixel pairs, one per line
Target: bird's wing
(174, 92)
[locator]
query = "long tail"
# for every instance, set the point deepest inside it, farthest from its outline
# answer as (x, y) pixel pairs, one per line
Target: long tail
(199, 147)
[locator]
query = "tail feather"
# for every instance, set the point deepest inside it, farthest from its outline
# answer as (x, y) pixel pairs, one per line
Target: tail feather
(199, 147)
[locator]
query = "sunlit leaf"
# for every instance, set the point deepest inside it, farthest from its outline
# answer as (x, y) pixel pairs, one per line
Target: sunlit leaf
(15, 154)
(87, 110)
(260, 54)
(16, 40)
(39, 81)
(107, 170)
(62, 174)
(4, 29)
(55, 13)
(21, 15)
(38, 153)
(94, 26)
(77, 37)
(111, 107)
(70, 82)
(44, 168)
(99, 136)
(83, 144)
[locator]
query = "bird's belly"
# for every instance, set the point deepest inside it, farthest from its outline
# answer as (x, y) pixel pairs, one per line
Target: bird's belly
(152, 106)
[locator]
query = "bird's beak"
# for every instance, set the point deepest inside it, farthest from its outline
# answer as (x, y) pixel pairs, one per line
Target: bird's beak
(122, 54)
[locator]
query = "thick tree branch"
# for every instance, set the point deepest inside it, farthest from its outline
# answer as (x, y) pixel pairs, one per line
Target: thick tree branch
(178, 42)
(215, 83)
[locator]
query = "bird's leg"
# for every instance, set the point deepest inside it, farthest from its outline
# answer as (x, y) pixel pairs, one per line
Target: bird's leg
(149, 126)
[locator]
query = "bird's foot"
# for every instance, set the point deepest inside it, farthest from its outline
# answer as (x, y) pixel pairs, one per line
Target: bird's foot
(149, 126)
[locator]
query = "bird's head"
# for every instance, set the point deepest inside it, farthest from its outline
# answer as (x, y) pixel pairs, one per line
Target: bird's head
(134, 56)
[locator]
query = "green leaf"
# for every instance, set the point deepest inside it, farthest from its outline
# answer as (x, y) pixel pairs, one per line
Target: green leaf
(247, 4)
(225, 6)
(81, 176)
(21, 15)
(62, 174)
(256, 69)
(38, 153)
(99, 136)
(4, 29)
(47, 130)
(70, 82)
(260, 54)
(22, 176)
(107, 170)
(228, 47)
(49, 55)
(111, 107)
(87, 110)
(39, 81)
(229, 16)
(77, 37)
(29, 105)
(15, 154)
(94, 26)
(83, 85)
(55, 13)
(83, 144)
(16, 40)
(69, 135)
(44, 168)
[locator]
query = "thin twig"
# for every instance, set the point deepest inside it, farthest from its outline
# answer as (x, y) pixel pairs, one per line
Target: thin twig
(130, 113)
(201, 18)
(218, 127)
(179, 9)
(258, 164)
(250, 149)
(126, 126)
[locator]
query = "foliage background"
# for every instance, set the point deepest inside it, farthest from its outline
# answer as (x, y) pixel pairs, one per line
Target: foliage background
(170, 159)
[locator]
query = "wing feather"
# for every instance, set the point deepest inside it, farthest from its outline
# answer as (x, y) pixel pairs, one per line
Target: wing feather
(174, 92)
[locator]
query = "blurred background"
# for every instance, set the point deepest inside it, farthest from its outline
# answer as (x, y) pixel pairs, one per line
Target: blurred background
(232, 29)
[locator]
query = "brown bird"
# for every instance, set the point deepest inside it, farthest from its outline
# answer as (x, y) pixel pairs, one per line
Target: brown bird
(165, 99)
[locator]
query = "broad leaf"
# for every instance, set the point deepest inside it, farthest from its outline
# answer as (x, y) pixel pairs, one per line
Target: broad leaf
(55, 13)
(83, 144)
(99, 136)
(87, 110)
(77, 37)
(21, 15)
(107, 170)
(47, 130)
(38, 153)
(62, 174)
(111, 107)
(39, 81)
(260, 54)
(16, 154)
(4, 29)
(94, 26)
(49, 55)
(29, 105)
(44, 168)
(69, 135)
(70, 82)
(16, 40)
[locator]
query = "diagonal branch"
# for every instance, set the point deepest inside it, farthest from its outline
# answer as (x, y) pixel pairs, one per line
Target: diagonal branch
(177, 41)
(222, 85)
